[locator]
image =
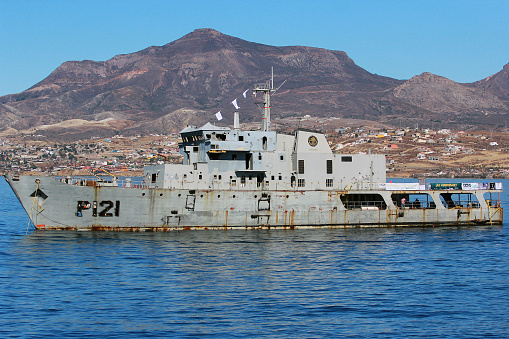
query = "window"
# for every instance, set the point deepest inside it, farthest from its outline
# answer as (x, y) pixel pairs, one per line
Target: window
(154, 177)
(329, 182)
(329, 166)
(272, 177)
(264, 142)
(301, 182)
(214, 156)
(346, 159)
(241, 138)
(282, 157)
(195, 149)
(234, 156)
(301, 166)
(248, 161)
(363, 201)
(200, 176)
(450, 200)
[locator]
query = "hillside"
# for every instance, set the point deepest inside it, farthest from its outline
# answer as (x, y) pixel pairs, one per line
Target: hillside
(164, 88)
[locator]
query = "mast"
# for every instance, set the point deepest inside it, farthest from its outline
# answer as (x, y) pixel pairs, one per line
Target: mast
(267, 89)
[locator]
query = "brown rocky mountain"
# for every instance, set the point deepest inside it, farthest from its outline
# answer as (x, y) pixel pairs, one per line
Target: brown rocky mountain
(164, 88)
(449, 99)
(498, 84)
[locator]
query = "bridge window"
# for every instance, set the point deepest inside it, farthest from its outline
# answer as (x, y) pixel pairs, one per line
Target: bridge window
(301, 182)
(329, 182)
(346, 159)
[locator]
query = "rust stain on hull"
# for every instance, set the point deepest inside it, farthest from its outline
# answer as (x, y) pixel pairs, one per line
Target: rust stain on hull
(162, 228)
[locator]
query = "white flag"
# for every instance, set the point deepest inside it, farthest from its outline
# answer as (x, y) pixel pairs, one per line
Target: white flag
(245, 93)
(219, 116)
(234, 103)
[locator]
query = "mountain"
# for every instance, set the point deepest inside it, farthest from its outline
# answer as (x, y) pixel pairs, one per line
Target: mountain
(498, 84)
(164, 88)
(446, 97)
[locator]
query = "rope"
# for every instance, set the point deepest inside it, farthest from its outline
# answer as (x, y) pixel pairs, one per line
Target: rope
(33, 204)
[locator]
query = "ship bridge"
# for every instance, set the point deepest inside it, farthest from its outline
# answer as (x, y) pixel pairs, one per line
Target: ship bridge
(210, 143)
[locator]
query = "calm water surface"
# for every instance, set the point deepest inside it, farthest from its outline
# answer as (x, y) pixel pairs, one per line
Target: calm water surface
(394, 282)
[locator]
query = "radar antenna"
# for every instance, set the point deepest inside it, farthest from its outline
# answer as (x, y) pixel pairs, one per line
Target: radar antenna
(267, 89)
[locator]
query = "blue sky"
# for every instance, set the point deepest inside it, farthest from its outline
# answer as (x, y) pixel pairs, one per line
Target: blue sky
(464, 40)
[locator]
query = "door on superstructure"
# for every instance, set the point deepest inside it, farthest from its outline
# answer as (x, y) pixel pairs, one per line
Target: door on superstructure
(190, 201)
(264, 203)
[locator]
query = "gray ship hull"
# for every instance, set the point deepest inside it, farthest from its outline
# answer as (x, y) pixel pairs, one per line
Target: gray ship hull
(90, 205)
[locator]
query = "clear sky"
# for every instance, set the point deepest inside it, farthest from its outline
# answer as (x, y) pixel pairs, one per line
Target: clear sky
(462, 40)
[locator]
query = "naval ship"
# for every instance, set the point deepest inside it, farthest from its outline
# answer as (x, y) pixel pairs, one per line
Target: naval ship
(238, 179)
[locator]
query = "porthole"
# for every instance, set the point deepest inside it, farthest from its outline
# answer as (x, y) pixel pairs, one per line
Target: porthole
(256, 196)
(219, 195)
(201, 196)
(143, 194)
(179, 195)
(160, 194)
(234, 195)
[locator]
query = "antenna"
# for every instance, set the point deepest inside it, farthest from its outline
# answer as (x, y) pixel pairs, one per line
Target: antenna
(271, 77)
(267, 89)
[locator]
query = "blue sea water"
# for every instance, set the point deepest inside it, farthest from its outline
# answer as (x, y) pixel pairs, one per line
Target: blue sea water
(446, 282)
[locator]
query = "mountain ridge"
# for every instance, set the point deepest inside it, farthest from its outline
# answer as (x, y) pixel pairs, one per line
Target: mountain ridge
(193, 77)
